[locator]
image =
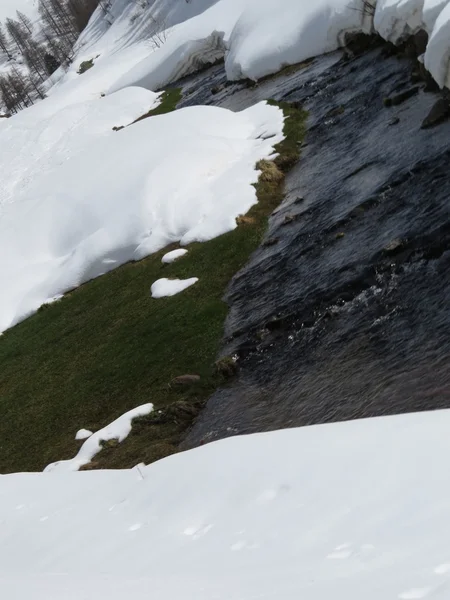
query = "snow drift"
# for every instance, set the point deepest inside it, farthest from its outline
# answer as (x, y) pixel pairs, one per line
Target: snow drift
(80, 199)
(349, 510)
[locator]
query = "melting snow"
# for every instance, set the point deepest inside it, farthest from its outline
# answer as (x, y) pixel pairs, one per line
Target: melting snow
(172, 256)
(118, 429)
(83, 434)
(170, 287)
(78, 199)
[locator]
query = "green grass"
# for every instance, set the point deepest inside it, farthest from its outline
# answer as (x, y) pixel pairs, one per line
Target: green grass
(108, 347)
(85, 66)
(169, 101)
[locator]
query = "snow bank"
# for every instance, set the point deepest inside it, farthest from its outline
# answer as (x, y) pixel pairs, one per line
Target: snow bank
(78, 199)
(266, 38)
(170, 287)
(397, 19)
(118, 429)
(172, 256)
(260, 39)
(350, 510)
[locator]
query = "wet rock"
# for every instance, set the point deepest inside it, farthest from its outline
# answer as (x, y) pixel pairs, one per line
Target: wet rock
(289, 219)
(439, 112)
(270, 242)
(401, 97)
(185, 380)
(394, 245)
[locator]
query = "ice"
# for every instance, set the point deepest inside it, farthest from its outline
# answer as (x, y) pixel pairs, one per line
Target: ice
(118, 429)
(357, 510)
(172, 256)
(169, 287)
(83, 434)
(78, 199)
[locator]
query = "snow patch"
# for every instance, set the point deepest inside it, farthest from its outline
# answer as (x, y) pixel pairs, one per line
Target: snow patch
(83, 434)
(172, 256)
(169, 287)
(118, 429)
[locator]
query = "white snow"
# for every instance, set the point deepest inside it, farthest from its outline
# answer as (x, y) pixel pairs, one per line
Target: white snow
(397, 19)
(347, 511)
(169, 287)
(255, 36)
(8, 8)
(118, 429)
(78, 199)
(172, 256)
(83, 434)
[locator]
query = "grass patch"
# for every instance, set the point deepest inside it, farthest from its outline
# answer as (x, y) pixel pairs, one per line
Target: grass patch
(169, 101)
(108, 347)
(85, 66)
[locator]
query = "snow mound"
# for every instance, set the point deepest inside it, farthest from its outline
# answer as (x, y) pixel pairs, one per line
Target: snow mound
(118, 429)
(348, 510)
(78, 199)
(170, 287)
(172, 256)
(258, 36)
(83, 434)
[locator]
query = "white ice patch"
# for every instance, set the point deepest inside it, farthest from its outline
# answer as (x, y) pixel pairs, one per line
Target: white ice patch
(83, 434)
(172, 256)
(170, 287)
(78, 199)
(118, 429)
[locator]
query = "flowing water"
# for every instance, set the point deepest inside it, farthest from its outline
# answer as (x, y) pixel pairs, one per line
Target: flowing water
(347, 316)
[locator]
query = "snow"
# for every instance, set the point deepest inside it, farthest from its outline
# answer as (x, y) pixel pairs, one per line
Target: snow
(255, 37)
(78, 199)
(169, 287)
(118, 429)
(349, 510)
(8, 8)
(172, 256)
(396, 19)
(83, 434)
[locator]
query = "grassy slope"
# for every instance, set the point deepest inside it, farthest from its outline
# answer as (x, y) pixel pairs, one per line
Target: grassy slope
(108, 347)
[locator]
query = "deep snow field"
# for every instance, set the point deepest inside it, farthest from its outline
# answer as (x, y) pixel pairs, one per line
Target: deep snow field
(351, 510)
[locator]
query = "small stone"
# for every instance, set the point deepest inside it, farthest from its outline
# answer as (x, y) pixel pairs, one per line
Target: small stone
(340, 235)
(185, 380)
(393, 245)
(439, 112)
(289, 219)
(394, 121)
(270, 242)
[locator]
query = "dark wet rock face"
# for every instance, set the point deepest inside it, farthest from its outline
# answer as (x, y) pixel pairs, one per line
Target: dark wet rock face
(343, 311)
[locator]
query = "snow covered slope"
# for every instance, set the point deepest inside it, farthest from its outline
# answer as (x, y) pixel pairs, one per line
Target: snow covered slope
(349, 511)
(80, 199)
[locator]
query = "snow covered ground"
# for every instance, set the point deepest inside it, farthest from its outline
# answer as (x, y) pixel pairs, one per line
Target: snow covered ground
(349, 511)
(80, 199)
